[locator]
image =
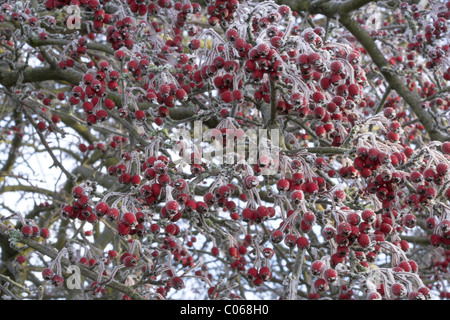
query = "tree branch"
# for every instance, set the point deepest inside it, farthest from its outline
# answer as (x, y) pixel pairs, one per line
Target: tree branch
(16, 143)
(342, 10)
(395, 83)
(49, 150)
(85, 272)
(9, 78)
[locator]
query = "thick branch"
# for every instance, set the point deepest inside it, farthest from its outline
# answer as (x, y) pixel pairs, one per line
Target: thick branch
(321, 150)
(10, 78)
(16, 143)
(36, 42)
(25, 188)
(395, 82)
(329, 8)
(38, 74)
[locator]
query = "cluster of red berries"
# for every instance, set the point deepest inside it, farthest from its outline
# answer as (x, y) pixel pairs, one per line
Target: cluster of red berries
(257, 275)
(272, 57)
(74, 54)
(33, 231)
(99, 15)
(345, 293)
(121, 33)
(166, 95)
(92, 93)
(325, 275)
(370, 160)
(42, 124)
(49, 275)
(398, 291)
(426, 43)
(114, 143)
(441, 229)
(299, 186)
(219, 197)
(81, 209)
(260, 214)
(222, 12)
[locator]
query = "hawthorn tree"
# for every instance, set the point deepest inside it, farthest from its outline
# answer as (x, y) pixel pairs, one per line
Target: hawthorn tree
(352, 203)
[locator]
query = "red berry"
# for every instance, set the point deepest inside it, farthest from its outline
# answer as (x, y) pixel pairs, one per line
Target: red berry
(57, 280)
(303, 243)
(446, 147)
(27, 231)
(399, 290)
(215, 251)
(21, 259)
(317, 267)
(44, 233)
(321, 285)
(129, 219)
